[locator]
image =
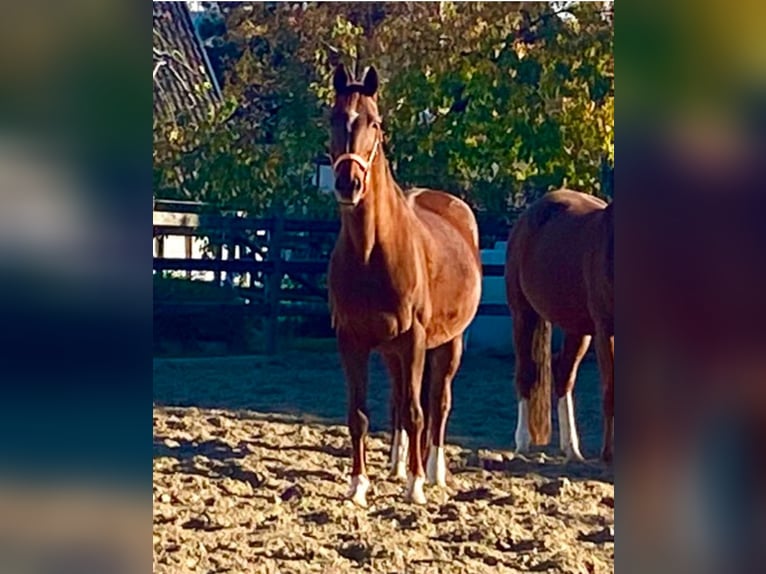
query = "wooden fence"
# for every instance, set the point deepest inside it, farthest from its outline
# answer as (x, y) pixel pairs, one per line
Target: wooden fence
(277, 266)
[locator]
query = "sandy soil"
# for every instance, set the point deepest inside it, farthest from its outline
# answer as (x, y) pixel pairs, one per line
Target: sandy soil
(311, 384)
(241, 487)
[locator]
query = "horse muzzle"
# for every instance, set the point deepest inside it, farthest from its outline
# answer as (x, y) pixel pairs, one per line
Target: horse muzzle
(350, 183)
(349, 190)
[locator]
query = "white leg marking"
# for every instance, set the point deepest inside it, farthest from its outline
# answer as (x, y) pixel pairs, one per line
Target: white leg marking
(399, 451)
(523, 439)
(394, 449)
(358, 491)
(404, 452)
(568, 439)
(436, 468)
(414, 491)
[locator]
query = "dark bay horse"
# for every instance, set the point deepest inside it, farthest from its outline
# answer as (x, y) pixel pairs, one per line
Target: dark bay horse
(404, 279)
(560, 269)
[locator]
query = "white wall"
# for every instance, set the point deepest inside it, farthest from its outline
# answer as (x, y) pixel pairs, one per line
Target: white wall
(490, 333)
(174, 247)
(326, 183)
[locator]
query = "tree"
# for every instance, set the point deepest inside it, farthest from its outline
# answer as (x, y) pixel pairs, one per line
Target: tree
(495, 102)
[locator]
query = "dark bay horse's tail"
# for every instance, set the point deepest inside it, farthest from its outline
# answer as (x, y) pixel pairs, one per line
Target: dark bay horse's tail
(540, 392)
(532, 337)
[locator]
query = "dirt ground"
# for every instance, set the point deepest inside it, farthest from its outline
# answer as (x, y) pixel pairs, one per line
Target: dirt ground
(251, 461)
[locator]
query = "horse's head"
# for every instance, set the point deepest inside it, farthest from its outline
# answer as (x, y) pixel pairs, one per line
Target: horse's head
(355, 133)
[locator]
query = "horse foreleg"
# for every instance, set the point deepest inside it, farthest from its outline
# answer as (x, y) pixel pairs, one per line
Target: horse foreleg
(399, 441)
(605, 353)
(413, 360)
(425, 401)
(355, 361)
(444, 363)
(565, 373)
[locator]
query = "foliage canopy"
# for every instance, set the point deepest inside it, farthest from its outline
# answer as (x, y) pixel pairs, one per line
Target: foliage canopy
(495, 102)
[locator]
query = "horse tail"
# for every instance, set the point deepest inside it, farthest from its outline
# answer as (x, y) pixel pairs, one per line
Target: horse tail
(540, 395)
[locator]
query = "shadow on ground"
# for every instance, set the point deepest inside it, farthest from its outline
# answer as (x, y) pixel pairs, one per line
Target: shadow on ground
(311, 385)
(215, 458)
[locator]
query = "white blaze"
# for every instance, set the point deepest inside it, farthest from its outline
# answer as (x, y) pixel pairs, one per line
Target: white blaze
(352, 117)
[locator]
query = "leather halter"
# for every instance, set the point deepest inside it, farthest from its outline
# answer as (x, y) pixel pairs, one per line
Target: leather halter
(365, 164)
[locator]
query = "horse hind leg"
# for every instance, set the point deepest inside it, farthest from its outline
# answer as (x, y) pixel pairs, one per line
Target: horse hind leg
(532, 350)
(605, 352)
(565, 374)
(444, 362)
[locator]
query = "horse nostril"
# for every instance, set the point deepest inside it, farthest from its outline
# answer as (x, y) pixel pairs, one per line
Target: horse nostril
(357, 184)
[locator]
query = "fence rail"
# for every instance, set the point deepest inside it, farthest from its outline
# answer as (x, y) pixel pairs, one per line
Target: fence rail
(241, 266)
(263, 251)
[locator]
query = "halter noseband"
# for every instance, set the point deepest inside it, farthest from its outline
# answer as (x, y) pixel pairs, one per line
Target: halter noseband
(365, 164)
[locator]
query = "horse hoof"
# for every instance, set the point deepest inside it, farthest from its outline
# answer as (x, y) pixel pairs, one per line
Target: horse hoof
(522, 452)
(436, 467)
(439, 482)
(399, 454)
(523, 447)
(398, 472)
(573, 456)
(414, 493)
(358, 491)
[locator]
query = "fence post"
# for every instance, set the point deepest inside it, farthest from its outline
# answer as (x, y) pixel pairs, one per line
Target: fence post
(274, 284)
(225, 256)
(188, 252)
(160, 241)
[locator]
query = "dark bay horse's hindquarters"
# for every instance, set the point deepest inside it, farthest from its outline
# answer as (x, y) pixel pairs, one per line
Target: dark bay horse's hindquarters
(560, 270)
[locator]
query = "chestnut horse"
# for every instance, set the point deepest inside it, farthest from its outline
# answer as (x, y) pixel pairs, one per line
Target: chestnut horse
(404, 279)
(560, 269)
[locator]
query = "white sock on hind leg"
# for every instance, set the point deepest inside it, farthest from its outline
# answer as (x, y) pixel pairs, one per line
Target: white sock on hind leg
(568, 439)
(522, 437)
(394, 450)
(357, 493)
(414, 491)
(399, 453)
(436, 467)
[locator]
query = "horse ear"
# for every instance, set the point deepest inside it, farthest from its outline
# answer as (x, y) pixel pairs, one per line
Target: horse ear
(340, 79)
(370, 82)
